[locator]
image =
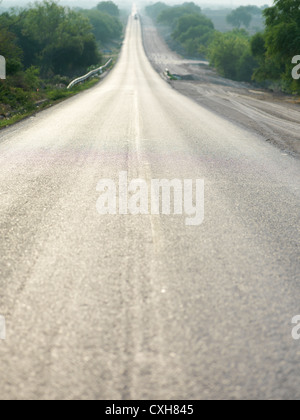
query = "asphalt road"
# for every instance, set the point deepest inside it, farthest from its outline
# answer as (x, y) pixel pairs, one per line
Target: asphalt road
(130, 307)
(273, 116)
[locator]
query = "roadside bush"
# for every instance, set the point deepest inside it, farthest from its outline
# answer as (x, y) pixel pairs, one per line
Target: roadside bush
(32, 78)
(230, 54)
(194, 33)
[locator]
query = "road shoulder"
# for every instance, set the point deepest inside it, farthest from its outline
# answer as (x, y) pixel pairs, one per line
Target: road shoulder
(273, 116)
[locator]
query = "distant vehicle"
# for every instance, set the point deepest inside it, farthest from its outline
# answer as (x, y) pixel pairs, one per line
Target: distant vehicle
(136, 17)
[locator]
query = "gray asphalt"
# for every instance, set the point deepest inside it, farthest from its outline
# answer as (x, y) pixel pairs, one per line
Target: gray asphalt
(129, 307)
(274, 116)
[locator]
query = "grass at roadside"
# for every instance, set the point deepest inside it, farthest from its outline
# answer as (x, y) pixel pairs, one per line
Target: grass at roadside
(49, 97)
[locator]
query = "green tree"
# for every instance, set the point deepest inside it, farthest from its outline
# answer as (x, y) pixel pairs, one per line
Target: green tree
(275, 48)
(55, 38)
(240, 16)
(186, 25)
(191, 29)
(192, 8)
(156, 9)
(268, 68)
(194, 33)
(109, 7)
(105, 27)
(11, 51)
(171, 15)
(230, 54)
(254, 10)
(258, 45)
(283, 28)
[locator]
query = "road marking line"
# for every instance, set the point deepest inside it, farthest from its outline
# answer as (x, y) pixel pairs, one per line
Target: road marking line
(144, 171)
(137, 128)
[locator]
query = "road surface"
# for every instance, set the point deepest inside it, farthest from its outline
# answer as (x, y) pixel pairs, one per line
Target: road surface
(145, 307)
(273, 116)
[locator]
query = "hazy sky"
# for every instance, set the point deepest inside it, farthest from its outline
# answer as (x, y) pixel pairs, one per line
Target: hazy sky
(92, 3)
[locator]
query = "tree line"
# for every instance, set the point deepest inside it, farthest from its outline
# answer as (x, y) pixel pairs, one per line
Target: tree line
(265, 57)
(190, 28)
(49, 43)
(243, 15)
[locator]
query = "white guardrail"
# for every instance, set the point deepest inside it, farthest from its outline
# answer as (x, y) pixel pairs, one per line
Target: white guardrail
(90, 74)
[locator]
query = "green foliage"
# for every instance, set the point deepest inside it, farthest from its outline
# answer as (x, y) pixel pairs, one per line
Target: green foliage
(63, 38)
(194, 32)
(243, 16)
(191, 29)
(258, 45)
(10, 50)
(46, 45)
(156, 9)
(231, 55)
(275, 48)
(254, 10)
(105, 27)
(23, 102)
(265, 58)
(246, 66)
(283, 28)
(54, 38)
(109, 7)
(268, 68)
(171, 15)
(56, 94)
(32, 78)
(191, 22)
(240, 16)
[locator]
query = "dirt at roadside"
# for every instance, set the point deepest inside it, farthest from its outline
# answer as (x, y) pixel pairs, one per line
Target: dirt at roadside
(276, 117)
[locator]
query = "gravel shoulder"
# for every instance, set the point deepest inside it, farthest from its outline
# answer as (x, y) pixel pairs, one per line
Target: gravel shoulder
(273, 116)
